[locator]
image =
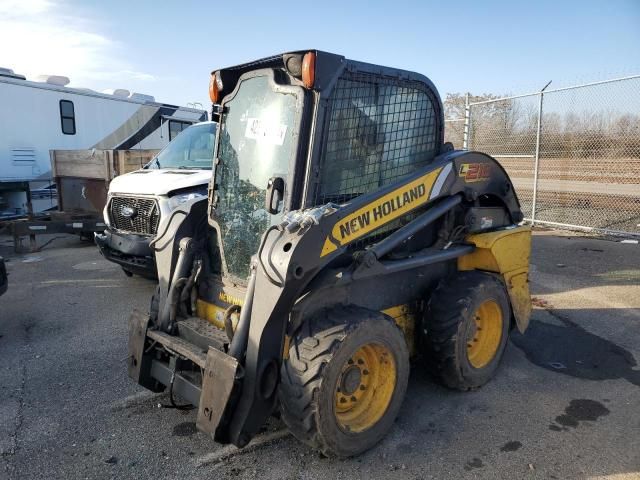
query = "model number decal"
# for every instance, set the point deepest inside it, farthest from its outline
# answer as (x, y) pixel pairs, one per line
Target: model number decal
(475, 172)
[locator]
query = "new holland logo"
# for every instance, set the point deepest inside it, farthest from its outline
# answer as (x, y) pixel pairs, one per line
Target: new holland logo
(378, 212)
(381, 211)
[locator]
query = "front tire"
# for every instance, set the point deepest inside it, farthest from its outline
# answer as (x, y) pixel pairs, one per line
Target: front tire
(465, 329)
(344, 380)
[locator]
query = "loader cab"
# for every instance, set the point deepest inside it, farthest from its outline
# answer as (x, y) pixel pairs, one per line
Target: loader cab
(309, 128)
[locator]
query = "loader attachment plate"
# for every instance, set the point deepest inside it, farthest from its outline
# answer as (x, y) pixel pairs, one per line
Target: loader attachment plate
(218, 380)
(137, 333)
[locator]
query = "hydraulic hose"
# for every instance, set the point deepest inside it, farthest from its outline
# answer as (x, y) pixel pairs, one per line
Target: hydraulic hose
(174, 300)
(228, 323)
(183, 265)
(185, 296)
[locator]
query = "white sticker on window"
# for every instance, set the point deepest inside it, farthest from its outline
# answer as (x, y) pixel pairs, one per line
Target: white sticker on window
(261, 132)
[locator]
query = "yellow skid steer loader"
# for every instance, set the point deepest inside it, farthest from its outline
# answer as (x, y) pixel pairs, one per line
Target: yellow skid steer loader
(341, 238)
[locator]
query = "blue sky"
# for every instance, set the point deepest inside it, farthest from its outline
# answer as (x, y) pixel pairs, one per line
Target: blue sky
(168, 49)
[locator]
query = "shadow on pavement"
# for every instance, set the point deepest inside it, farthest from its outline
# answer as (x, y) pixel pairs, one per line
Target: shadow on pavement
(571, 350)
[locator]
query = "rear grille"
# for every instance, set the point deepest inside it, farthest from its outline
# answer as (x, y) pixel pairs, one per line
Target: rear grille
(144, 220)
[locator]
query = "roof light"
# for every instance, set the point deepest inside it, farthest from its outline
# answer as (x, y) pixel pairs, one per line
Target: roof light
(309, 69)
(214, 89)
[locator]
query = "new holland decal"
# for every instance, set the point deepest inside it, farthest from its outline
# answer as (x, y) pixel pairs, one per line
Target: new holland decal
(381, 211)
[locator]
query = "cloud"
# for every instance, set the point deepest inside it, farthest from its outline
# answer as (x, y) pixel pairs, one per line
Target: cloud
(51, 37)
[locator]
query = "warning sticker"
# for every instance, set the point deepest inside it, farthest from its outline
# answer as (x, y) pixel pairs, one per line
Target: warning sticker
(263, 132)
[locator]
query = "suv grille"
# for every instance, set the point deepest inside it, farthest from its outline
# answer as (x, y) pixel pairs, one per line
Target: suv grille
(144, 219)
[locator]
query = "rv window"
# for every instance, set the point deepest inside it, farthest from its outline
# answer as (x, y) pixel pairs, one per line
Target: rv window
(67, 117)
(176, 127)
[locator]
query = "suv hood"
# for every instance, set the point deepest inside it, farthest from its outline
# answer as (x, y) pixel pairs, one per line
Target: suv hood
(158, 181)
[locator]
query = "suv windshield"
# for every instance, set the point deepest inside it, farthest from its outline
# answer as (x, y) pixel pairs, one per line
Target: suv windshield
(258, 140)
(192, 148)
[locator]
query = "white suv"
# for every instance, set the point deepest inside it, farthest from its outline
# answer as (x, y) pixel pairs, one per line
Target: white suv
(138, 200)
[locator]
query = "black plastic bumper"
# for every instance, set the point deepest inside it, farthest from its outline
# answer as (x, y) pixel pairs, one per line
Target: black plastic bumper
(131, 252)
(3, 277)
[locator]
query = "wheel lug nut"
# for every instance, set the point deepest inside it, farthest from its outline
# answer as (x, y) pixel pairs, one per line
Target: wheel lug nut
(353, 399)
(365, 372)
(362, 387)
(350, 361)
(360, 361)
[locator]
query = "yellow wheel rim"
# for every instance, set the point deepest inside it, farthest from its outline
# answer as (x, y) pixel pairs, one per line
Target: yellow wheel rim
(365, 387)
(485, 334)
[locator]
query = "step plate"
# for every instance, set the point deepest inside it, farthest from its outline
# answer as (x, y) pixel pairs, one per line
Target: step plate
(180, 346)
(203, 334)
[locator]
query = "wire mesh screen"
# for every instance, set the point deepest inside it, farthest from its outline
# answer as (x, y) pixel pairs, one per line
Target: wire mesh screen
(380, 129)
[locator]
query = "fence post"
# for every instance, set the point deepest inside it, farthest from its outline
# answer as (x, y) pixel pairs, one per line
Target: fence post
(467, 119)
(537, 156)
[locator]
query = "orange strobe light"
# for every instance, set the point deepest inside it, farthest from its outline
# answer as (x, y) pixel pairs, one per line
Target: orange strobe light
(309, 69)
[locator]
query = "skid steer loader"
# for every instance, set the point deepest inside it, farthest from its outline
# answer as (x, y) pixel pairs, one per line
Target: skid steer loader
(341, 239)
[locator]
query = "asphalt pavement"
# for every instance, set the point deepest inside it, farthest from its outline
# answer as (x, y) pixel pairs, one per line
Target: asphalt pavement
(565, 403)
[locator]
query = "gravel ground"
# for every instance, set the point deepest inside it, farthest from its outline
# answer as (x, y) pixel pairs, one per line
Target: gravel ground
(564, 403)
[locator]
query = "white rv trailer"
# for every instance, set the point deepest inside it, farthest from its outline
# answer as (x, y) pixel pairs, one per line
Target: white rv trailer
(38, 116)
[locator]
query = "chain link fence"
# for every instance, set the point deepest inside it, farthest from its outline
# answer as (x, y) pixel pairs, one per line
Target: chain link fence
(572, 153)
(454, 132)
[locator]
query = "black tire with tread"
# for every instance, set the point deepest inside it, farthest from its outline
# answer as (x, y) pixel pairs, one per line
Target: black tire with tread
(443, 336)
(308, 377)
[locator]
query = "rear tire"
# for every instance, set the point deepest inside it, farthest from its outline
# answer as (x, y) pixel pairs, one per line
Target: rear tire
(465, 329)
(344, 381)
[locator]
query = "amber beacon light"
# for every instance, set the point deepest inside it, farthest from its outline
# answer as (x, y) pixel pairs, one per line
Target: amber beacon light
(309, 69)
(214, 90)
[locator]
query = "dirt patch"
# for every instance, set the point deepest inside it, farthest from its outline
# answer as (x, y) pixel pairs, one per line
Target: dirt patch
(473, 464)
(185, 429)
(511, 446)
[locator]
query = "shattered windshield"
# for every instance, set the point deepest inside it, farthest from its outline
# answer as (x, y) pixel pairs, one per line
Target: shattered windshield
(257, 142)
(192, 148)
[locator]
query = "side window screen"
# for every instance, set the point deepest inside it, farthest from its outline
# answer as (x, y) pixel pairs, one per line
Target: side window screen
(379, 131)
(175, 127)
(67, 117)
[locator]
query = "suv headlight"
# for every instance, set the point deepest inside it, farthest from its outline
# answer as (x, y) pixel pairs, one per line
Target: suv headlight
(105, 211)
(183, 197)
